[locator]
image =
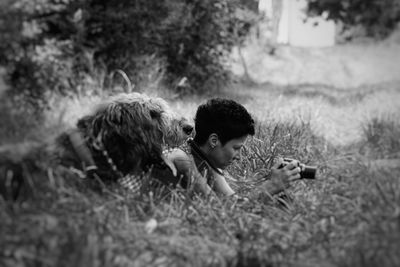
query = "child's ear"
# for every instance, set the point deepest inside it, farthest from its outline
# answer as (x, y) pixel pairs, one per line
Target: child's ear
(213, 140)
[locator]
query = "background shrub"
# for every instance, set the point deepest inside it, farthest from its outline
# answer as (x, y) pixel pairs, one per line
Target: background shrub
(377, 18)
(381, 138)
(54, 45)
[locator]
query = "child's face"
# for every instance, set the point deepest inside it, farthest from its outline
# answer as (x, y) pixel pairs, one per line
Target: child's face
(223, 155)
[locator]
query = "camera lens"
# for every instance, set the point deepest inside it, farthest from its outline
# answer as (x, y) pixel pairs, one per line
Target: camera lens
(308, 172)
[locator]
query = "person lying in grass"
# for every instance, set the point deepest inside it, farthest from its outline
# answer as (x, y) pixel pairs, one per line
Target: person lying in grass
(222, 127)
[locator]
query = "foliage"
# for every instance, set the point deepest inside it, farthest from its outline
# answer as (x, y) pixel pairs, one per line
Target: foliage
(379, 18)
(199, 37)
(39, 57)
(349, 217)
(13, 120)
(55, 45)
(380, 138)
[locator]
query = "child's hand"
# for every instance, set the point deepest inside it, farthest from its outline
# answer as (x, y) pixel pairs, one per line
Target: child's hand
(282, 175)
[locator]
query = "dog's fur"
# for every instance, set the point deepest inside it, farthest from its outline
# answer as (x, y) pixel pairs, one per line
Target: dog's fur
(125, 135)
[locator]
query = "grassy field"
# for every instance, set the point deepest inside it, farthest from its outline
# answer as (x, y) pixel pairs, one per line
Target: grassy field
(344, 66)
(349, 216)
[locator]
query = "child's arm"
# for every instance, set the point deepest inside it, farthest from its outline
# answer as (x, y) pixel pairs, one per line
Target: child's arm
(221, 186)
(187, 169)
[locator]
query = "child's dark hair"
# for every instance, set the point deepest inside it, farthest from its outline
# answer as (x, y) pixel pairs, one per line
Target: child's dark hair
(227, 118)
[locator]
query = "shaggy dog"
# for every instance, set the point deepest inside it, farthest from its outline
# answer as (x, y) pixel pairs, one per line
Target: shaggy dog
(120, 141)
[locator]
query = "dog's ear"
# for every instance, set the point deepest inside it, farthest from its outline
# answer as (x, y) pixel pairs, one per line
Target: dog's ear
(105, 118)
(97, 124)
(115, 114)
(155, 114)
(84, 122)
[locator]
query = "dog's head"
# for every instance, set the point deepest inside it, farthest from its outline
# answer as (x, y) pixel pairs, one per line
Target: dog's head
(134, 129)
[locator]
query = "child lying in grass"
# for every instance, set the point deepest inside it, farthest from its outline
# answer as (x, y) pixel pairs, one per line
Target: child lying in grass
(221, 129)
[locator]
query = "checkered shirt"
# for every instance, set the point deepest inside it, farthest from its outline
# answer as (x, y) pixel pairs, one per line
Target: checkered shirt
(132, 182)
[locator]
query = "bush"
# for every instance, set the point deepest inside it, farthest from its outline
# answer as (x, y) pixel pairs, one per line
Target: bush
(53, 46)
(378, 18)
(13, 120)
(381, 137)
(348, 216)
(39, 50)
(199, 36)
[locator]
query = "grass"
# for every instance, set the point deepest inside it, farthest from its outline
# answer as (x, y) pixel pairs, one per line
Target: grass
(349, 216)
(345, 66)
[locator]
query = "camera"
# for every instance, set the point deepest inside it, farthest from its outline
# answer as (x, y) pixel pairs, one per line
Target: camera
(306, 172)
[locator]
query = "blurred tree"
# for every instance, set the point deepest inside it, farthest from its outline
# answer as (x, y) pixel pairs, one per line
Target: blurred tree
(378, 17)
(199, 36)
(251, 5)
(35, 47)
(51, 45)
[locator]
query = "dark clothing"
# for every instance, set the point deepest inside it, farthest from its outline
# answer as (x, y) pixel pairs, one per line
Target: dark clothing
(204, 166)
